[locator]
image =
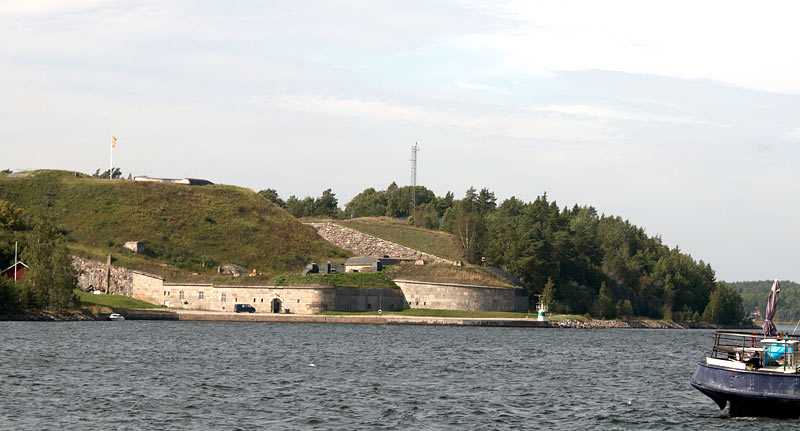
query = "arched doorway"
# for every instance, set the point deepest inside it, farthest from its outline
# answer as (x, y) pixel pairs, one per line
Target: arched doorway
(276, 305)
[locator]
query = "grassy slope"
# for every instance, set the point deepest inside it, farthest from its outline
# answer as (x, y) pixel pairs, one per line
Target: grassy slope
(437, 243)
(348, 279)
(443, 273)
(191, 228)
(88, 299)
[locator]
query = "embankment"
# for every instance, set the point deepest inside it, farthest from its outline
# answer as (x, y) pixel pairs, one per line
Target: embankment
(392, 319)
(386, 319)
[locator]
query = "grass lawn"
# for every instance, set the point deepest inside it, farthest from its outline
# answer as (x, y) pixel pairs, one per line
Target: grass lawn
(434, 242)
(557, 317)
(337, 279)
(428, 312)
(88, 299)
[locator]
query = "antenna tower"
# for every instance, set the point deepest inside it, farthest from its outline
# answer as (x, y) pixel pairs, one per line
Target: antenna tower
(414, 150)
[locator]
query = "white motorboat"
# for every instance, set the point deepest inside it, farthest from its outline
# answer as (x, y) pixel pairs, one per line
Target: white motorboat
(116, 316)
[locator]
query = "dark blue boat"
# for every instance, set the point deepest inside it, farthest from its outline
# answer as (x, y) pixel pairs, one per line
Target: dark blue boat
(752, 374)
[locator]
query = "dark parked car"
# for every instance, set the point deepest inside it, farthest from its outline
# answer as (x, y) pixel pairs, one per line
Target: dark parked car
(244, 308)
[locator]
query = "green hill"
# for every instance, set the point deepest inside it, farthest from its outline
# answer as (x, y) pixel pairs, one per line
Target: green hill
(187, 229)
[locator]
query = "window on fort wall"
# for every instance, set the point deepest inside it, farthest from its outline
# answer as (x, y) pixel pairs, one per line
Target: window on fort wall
(181, 295)
(200, 295)
(223, 297)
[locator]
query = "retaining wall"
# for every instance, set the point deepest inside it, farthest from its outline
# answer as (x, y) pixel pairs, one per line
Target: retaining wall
(369, 299)
(92, 275)
(443, 296)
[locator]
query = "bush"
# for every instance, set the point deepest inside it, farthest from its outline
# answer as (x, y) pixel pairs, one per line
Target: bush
(9, 296)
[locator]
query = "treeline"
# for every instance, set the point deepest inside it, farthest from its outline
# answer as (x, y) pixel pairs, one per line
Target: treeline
(755, 294)
(49, 280)
(581, 262)
(324, 206)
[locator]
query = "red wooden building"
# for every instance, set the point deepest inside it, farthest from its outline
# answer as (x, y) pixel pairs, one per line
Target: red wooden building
(9, 272)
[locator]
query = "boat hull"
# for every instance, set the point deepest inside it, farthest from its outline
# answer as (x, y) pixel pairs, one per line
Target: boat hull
(750, 393)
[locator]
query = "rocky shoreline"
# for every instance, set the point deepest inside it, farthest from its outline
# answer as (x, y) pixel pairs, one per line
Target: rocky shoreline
(640, 324)
(44, 316)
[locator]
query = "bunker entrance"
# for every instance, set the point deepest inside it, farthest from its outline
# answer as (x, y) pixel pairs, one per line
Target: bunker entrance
(276, 305)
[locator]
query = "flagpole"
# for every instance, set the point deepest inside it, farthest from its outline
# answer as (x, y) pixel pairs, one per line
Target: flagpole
(15, 261)
(111, 168)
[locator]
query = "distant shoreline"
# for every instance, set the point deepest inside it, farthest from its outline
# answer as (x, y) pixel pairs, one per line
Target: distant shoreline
(388, 319)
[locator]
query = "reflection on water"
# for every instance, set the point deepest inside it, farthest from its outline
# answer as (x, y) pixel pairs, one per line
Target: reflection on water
(192, 375)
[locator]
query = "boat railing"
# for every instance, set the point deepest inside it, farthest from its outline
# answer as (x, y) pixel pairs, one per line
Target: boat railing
(756, 351)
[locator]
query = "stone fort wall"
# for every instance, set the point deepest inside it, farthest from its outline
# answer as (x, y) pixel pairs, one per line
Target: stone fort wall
(443, 296)
(91, 276)
(300, 299)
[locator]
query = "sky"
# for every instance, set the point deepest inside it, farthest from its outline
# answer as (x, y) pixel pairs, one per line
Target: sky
(682, 117)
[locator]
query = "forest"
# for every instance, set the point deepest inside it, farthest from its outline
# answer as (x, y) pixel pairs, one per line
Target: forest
(581, 262)
(755, 294)
(50, 278)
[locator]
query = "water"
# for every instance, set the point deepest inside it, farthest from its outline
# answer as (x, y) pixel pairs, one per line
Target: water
(206, 375)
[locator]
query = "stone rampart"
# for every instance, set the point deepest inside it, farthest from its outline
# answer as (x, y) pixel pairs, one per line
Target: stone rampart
(299, 299)
(369, 299)
(367, 245)
(265, 299)
(92, 275)
(441, 296)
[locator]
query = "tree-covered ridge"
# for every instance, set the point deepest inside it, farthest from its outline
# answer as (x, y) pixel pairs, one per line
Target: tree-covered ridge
(581, 261)
(755, 294)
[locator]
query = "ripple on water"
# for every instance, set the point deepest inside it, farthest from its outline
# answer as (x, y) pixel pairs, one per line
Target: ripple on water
(192, 375)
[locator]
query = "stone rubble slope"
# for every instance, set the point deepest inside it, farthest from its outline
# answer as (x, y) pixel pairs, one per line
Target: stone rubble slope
(362, 244)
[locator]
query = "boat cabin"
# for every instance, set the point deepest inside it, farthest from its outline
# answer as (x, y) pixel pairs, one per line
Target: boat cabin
(755, 352)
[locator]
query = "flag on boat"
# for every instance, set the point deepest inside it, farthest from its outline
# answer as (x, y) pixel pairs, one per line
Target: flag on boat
(772, 302)
(113, 142)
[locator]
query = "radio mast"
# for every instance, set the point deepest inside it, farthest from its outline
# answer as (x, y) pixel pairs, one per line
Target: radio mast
(414, 150)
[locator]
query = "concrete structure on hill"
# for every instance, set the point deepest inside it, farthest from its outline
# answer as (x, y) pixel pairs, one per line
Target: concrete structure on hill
(185, 181)
(135, 246)
(369, 263)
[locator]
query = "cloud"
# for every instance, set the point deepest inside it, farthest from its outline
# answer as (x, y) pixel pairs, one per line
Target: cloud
(479, 87)
(29, 7)
(515, 125)
(584, 111)
(731, 42)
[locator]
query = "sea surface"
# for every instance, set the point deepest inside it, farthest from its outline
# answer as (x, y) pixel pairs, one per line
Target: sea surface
(208, 375)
